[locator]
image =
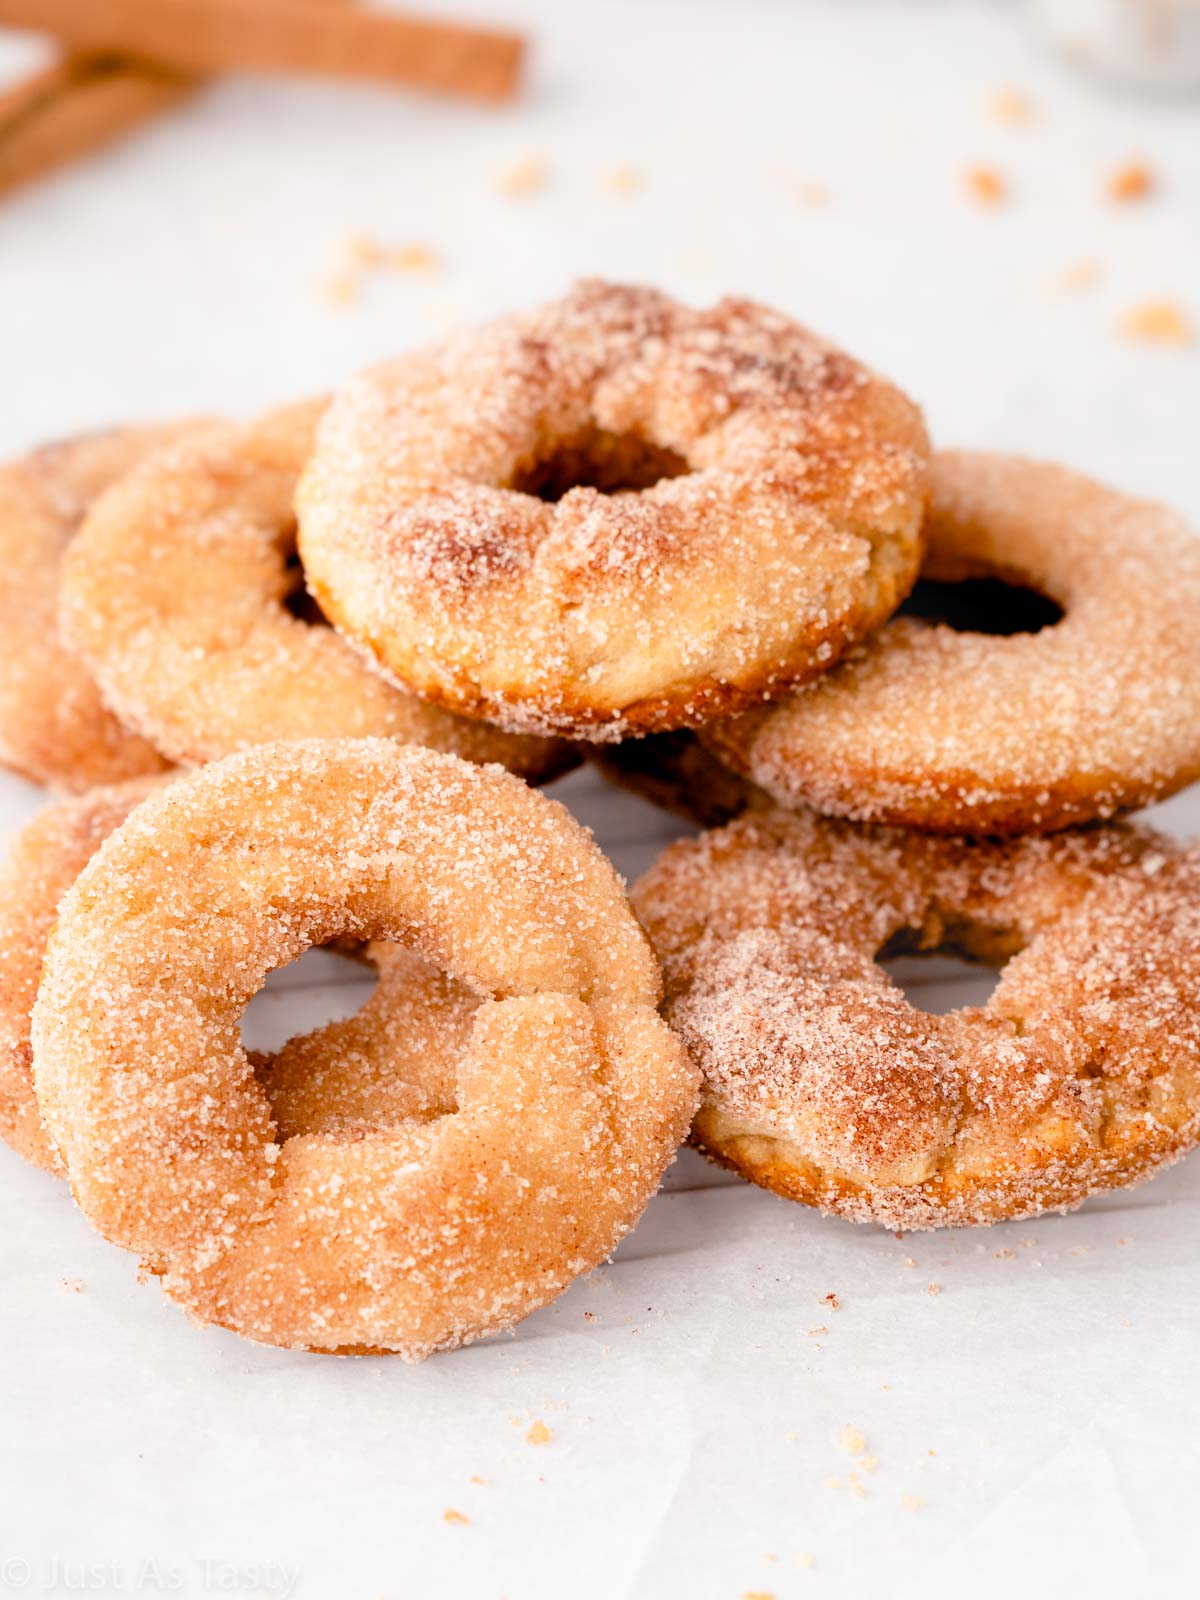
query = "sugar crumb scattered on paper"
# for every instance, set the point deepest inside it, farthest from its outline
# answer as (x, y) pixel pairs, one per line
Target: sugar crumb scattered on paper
(1158, 322)
(523, 177)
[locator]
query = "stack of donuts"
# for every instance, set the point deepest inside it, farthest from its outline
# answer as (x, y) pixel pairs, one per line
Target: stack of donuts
(304, 680)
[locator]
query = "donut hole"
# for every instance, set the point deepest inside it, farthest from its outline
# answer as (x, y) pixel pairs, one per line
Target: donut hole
(613, 463)
(961, 967)
(318, 987)
(982, 605)
(937, 982)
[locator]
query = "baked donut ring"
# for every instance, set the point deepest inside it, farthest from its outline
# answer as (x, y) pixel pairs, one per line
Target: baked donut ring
(176, 594)
(395, 1058)
(614, 514)
(419, 1234)
(53, 727)
(968, 733)
(822, 1082)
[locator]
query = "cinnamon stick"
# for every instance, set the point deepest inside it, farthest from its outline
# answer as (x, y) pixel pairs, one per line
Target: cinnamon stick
(203, 36)
(76, 106)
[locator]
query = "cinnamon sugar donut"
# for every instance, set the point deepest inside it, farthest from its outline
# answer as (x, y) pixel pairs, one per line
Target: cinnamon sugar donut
(395, 1058)
(427, 1230)
(53, 727)
(42, 863)
(965, 733)
(615, 513)
(822, 1082)
(176, 594)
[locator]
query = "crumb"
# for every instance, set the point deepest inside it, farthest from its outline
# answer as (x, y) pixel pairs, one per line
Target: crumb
(1010, 105)
(986, 185)
(805, 1559)
(539, 1433)
(934, 1288)
(621, 179)
(1004, 1255)
(911, 1502)
(868, 1463)
(1071, 280)
(1158, 322)
(589, 1316)
(815, 1333)
(1133, 181)
(910, 1261)
(791, 1437)
(342, 288)
(475, 1478)
(451, 1515)
(806, 190)
(852, 1440)
(523, 177)
(857, 1486)
(1122, 1241)
(75, 1285)
(834, 1483)
(831, 1300)
(772, 1558)
(757, 1594)
(933, 1452)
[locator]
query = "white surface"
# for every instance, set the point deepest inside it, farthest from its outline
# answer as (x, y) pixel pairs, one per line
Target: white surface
(1045, 1406)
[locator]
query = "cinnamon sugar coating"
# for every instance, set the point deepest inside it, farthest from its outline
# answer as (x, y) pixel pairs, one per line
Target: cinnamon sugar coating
(821, 1080)
(41, 864)
(968, 733)
(614, 513)
(53, 725)
(176, 594)
(416, 1231)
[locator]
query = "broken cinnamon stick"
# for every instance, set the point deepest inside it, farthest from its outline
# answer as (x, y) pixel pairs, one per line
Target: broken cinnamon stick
(76, 106)
(203, 36)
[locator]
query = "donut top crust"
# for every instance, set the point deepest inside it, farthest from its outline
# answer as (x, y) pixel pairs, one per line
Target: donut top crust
(412, 1234)
(766, 494)
(970, 733)
(1088, 1049)
(175, 593)
(53, 726)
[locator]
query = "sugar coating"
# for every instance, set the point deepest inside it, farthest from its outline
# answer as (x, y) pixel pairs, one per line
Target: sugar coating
(41, 864)
(966, 733)
(53, 725)
(821, 1081)
(418, 1231)
(732, 503)
(175, 593)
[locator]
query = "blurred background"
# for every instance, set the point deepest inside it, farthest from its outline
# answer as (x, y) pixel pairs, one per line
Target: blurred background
(997, 204)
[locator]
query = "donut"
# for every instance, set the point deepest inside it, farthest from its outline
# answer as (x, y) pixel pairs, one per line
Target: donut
(614, 514)
(53, 726)
(396, 1057)
(176, 593)
(418, 1233)
(822, 1082)
(42, 863)
(966, 732)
